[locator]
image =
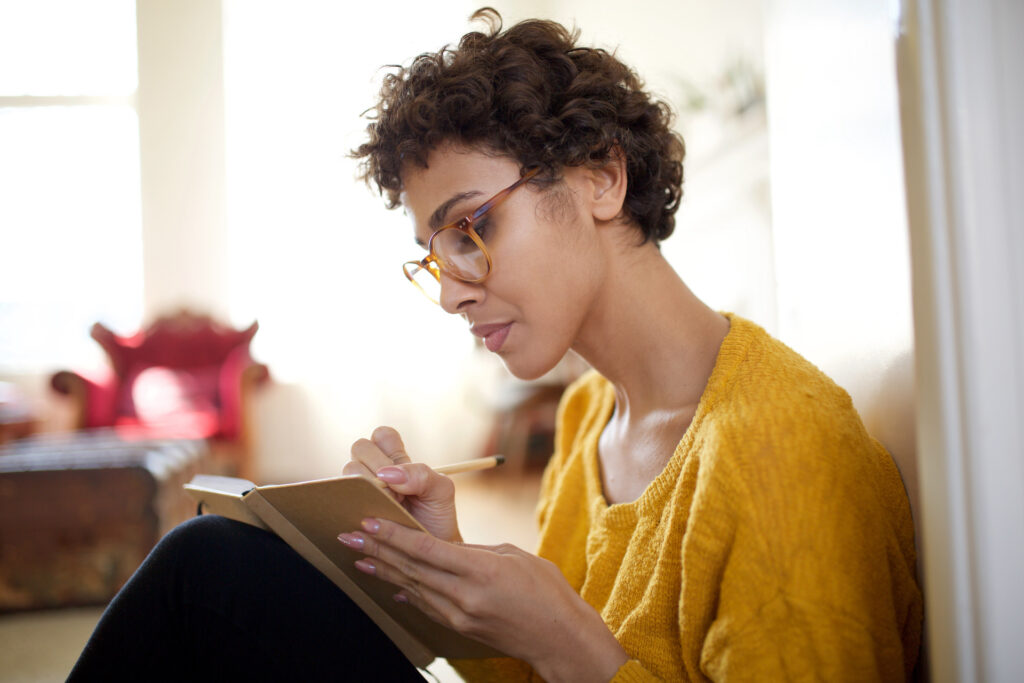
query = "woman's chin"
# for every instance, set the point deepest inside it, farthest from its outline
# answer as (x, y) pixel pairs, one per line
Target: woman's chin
(527, 369)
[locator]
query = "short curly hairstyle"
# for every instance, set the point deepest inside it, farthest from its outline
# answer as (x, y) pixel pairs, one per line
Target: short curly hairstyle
(530, 93)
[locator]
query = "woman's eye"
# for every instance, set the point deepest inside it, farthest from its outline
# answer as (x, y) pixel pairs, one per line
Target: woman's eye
(482, 226)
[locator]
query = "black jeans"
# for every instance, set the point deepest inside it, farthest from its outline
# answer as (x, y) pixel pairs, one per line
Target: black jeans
(218, 600)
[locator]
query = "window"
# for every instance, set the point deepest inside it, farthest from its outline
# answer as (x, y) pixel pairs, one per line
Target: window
(70, 226)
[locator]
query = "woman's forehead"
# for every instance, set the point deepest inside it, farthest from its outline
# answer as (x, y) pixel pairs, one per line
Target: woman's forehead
(451, 165)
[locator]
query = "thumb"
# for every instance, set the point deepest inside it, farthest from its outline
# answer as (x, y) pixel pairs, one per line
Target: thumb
(419, 480)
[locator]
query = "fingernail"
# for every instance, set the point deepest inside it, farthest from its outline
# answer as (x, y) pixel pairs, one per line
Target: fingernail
(371, 525)
(400, 598)
(366, 566)
(352, 540)
(392, 475)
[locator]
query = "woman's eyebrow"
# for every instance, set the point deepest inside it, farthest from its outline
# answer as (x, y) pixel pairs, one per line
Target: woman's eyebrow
(437, 218)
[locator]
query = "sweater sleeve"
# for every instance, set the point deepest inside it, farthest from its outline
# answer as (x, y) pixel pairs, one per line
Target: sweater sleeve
(817, 583)
(791, 639)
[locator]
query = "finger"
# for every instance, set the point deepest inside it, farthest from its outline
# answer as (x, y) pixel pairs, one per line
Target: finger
(434, 605)
(375, 559)
(432, 602)
(418, 573)
(421, 548)
(417, 479)
(367, 453)
(408, 597)
(367, 458)
(389, 441)
(356, 467)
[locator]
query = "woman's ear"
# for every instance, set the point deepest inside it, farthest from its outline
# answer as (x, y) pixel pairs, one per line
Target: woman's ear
(610, 182)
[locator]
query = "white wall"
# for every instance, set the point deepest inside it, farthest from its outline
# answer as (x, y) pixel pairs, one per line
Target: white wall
(962, 77)
(181, 146)
(838, 213)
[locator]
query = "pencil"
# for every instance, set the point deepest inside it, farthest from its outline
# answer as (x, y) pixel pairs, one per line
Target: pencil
(469, 465)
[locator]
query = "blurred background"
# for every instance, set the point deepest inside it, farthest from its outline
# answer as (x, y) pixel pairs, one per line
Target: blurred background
(164, 155)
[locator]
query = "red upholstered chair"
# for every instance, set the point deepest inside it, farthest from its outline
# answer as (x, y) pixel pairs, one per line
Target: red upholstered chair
(184, 376)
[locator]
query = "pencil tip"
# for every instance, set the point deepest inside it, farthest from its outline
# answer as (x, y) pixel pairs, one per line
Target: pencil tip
(500, 459)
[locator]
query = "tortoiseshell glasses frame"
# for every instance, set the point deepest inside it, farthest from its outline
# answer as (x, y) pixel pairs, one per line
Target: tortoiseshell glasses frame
(457, 249)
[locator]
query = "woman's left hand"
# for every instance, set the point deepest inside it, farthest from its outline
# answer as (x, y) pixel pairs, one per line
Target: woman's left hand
(500, 595)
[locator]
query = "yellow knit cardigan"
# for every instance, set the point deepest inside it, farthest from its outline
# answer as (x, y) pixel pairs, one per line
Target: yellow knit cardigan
(777, 544)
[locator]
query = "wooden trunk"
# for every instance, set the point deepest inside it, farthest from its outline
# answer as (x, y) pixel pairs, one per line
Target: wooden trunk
(79, 513)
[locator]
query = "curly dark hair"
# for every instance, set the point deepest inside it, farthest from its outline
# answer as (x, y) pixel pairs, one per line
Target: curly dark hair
(532, 94)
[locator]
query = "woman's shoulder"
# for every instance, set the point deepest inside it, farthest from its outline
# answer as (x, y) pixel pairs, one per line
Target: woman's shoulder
(761, 384)
(784, 454)
(774, 415)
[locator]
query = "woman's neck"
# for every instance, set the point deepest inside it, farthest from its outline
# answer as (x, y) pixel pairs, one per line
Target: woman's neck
(650, 336)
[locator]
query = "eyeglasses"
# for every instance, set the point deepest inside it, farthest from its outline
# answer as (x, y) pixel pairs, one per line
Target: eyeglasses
(457, 249)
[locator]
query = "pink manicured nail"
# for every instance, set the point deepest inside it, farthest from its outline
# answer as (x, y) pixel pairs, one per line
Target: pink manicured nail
(366, 566)
(392, 475)
(400, 598)
(371, 525)
(352, 540)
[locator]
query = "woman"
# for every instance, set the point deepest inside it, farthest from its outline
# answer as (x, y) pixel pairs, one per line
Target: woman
(713, 508)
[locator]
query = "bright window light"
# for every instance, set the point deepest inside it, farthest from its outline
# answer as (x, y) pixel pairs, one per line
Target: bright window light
(70, 227)
(67, 47)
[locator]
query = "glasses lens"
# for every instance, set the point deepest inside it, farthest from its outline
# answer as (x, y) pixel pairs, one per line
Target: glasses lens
(425, 280)
(460, 255)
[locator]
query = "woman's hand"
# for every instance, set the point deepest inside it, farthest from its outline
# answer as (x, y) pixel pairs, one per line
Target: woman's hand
(428, 496)
(500, 595)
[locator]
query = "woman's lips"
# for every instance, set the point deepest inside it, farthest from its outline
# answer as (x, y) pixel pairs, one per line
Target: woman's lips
(495, 339)
(493, 335)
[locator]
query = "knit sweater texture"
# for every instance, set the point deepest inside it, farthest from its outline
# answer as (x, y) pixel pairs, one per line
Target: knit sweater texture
(776, 544)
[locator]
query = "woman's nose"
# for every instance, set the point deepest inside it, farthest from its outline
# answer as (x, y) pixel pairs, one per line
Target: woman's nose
(457, 295)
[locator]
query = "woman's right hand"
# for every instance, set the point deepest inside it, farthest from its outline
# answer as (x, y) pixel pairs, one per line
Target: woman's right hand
(428, 496)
